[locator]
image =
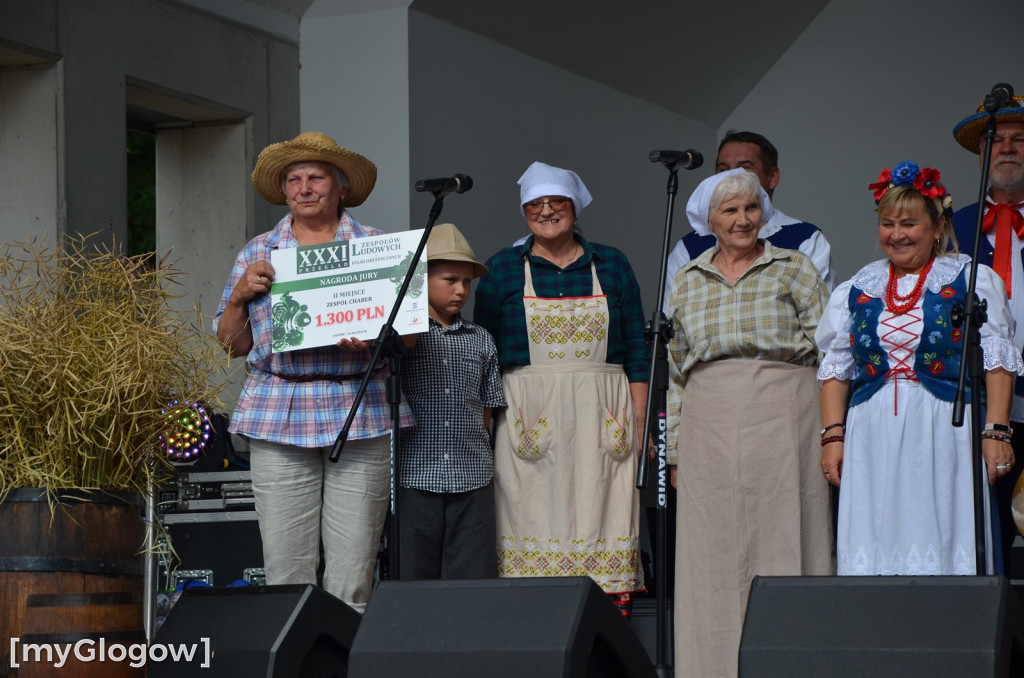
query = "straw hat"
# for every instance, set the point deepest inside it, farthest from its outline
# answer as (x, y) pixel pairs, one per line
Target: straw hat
(309, 147)
(969, 130)
(447, 242)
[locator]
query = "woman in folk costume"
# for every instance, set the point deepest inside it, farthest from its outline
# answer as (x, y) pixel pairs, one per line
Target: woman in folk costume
(889, 378)
(567, 319)
(743, 422)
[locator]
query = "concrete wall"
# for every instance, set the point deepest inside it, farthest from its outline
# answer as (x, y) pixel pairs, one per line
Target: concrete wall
(498, 110)
(31, 157)
(229, 89)
(870, 84)
(355, 88)
(103, 49)
(423, 98)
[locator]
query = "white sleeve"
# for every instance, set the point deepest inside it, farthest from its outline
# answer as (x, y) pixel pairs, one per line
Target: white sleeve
(676, 259)
(997, 332)
(819, 252)
(833, 336)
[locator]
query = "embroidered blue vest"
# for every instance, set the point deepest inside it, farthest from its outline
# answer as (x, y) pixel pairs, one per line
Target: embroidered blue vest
(937, 358)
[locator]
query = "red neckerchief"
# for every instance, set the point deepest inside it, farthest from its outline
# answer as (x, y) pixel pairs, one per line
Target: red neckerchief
(1004, 217)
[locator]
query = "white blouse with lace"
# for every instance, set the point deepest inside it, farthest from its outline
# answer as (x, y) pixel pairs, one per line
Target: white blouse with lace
(906, 505)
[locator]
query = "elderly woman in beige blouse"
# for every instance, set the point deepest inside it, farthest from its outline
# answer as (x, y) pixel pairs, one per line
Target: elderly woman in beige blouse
(743, 422)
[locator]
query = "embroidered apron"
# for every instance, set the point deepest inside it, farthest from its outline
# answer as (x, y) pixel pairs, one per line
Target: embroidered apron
(565, 452)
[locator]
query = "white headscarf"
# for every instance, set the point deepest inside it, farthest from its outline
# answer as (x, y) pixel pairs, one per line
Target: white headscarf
(698, 207)
(540, 180)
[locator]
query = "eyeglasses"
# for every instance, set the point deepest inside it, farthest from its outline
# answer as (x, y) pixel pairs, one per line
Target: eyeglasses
(556, 203)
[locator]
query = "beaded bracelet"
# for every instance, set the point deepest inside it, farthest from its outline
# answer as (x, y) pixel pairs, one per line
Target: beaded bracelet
(1001, 436)
(832, 439)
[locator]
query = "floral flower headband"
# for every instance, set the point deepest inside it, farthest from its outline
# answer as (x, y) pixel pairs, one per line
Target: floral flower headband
(926, 181)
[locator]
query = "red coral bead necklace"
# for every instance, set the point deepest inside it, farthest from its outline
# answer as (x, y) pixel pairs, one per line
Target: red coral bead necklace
(898, 305)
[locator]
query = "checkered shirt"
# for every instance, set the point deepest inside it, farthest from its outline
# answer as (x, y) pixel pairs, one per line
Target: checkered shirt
(771, 314)
(449, 377)
(306, 414)
(498, 306)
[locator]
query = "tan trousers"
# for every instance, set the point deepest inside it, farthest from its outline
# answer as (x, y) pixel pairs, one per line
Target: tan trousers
(301, 496)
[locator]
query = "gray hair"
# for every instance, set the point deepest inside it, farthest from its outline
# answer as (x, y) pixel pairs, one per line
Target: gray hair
(339, 177)
(743, 184)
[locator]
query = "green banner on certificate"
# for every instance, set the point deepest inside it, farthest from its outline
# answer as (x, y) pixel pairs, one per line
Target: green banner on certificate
(347, 288)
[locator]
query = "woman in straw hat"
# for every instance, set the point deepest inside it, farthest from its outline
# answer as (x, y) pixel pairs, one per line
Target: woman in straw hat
(889, 376)
(742, 421)
(294, 403)
(568, 322)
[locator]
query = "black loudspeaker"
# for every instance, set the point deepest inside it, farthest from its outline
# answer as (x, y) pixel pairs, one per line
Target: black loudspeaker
(293, 631)
(882, 626)
(533, 628)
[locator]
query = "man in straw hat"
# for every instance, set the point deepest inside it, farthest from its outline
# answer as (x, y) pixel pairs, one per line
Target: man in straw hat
(1002, 248)
(294, 403)
(452, 382)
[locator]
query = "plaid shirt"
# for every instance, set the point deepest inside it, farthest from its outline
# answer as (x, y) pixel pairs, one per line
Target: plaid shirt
(449, 377)
(306, 414)
(771, 314)
(499, 301)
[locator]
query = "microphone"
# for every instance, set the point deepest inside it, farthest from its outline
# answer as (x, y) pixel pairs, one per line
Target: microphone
(459, 183)
(688, 159)
(1000, 97)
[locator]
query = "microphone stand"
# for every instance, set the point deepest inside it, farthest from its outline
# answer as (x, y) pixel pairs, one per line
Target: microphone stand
(972, 315)
(658, 331)
(388, 342)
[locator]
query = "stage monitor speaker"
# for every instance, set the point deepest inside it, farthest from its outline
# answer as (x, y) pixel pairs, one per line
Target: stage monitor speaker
(882, 626)
(550, 627)
(293, 631)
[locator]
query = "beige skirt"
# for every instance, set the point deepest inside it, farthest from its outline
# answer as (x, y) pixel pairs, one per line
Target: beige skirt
(752, 500)
(565, 475)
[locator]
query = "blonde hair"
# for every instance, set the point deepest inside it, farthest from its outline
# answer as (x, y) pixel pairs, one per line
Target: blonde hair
(899, 198)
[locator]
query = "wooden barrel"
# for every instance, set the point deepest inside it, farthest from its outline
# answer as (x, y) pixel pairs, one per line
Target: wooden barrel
(74, 574)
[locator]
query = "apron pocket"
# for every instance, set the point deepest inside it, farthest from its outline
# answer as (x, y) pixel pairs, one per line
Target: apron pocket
(616, 438)
(530, 437)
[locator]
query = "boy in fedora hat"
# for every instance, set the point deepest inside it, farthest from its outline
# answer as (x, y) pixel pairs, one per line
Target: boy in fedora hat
(451, 380)
(1002, 248)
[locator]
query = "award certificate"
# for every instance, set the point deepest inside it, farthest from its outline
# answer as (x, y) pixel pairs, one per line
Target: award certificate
(346, 288)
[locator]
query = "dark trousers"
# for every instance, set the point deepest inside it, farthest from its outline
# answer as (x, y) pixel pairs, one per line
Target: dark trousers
(448, 536)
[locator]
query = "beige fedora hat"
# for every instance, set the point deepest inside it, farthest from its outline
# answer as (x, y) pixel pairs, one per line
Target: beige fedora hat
(447, 242)
(308, 147)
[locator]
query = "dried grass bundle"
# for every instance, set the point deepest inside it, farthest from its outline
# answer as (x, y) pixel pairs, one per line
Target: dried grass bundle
(91, 351)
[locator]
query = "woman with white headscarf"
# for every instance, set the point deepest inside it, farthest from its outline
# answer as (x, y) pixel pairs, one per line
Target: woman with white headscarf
(743, 422)
(567, 319)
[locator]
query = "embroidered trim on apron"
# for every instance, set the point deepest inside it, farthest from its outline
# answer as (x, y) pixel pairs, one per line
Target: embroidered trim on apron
(565, 457)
